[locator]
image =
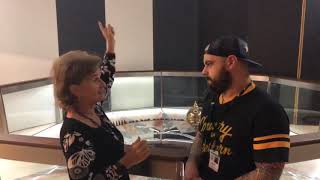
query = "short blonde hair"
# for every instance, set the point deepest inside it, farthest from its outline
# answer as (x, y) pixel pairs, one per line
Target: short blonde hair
(70, 69)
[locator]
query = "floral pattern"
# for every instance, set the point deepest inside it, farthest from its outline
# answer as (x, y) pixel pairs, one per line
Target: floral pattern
(81, 158)
(108, 71)
(69, 139)
(111, 172)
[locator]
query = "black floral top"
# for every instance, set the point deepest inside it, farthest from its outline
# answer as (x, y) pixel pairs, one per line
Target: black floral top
(94, 153)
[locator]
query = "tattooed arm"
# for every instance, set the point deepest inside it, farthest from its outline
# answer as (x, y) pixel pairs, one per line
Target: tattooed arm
(264, 171)
(192, 163)
(195, 148)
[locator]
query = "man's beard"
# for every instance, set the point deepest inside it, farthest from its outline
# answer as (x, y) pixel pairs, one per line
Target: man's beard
(221, 83)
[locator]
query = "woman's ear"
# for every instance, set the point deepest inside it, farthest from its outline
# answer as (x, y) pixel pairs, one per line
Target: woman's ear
(74, 89)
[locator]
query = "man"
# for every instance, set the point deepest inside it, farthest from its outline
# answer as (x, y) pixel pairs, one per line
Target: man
(243, 133)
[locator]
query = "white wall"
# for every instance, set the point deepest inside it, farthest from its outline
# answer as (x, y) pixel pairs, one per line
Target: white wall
(28, 39)
(17, 68)
(133, 22)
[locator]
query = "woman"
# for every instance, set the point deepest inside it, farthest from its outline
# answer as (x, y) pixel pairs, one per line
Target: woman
(92, 145)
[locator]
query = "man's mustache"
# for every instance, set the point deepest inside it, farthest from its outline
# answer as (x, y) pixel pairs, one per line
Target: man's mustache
(209, 79)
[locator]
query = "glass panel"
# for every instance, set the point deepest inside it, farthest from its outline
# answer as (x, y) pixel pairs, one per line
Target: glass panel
(172, 97)
(305, 170)
(154, 129)
(262, 85)
(182, 91)
(30, 108)
(304, 119)
(132, 93)
(308, 114)
(285, 96)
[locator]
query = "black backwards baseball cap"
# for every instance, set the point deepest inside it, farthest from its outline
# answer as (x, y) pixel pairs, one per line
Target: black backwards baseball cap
(231, 45)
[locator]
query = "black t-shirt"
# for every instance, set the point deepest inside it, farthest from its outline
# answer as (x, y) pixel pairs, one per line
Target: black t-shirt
(251, 128)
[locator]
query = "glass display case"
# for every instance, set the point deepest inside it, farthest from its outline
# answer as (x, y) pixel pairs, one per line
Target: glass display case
(152, 105)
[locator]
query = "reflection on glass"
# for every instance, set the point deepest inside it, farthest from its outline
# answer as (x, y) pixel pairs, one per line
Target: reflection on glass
(182, 91)
(303, 113)
(284, 95)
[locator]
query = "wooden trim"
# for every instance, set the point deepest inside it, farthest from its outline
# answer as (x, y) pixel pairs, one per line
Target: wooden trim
(301, 40)
(24, 82)
(300, 58)
(159, 150)
(48, 150)
(32, 154)
(164, 152)
(32, 141)
(304, 139)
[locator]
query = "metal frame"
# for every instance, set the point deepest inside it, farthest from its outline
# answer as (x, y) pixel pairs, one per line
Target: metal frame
(24, 86)
(261, 78)
(3, 118)
(296, 83)
(182, 74)
(137, 74)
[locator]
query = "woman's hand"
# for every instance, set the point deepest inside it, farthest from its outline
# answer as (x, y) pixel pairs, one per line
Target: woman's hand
(108, 34)
(138, 152)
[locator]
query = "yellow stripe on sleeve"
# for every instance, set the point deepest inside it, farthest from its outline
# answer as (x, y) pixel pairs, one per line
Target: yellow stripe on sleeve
(270, 145)
(271, 137)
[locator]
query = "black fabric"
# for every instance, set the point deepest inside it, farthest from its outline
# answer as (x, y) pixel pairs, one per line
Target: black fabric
(234, 126)
(93, 152)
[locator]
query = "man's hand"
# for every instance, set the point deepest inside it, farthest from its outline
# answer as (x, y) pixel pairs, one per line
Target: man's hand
(191, 171)
(108, 34)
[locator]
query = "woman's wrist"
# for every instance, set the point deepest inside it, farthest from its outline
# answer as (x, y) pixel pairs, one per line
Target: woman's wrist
(110, 46)
(125, 162)
(110, 50)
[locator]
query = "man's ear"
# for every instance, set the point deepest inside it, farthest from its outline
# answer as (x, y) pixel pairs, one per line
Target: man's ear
(231, 62)
(74, 89)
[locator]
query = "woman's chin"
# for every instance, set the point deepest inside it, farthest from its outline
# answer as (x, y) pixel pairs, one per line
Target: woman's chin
(103, 97)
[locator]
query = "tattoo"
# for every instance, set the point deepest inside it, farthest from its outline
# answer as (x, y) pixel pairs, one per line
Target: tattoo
(264, 171)
(196, 148)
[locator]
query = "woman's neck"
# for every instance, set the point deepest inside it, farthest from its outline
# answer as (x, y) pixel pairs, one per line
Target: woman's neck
(84, 108)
